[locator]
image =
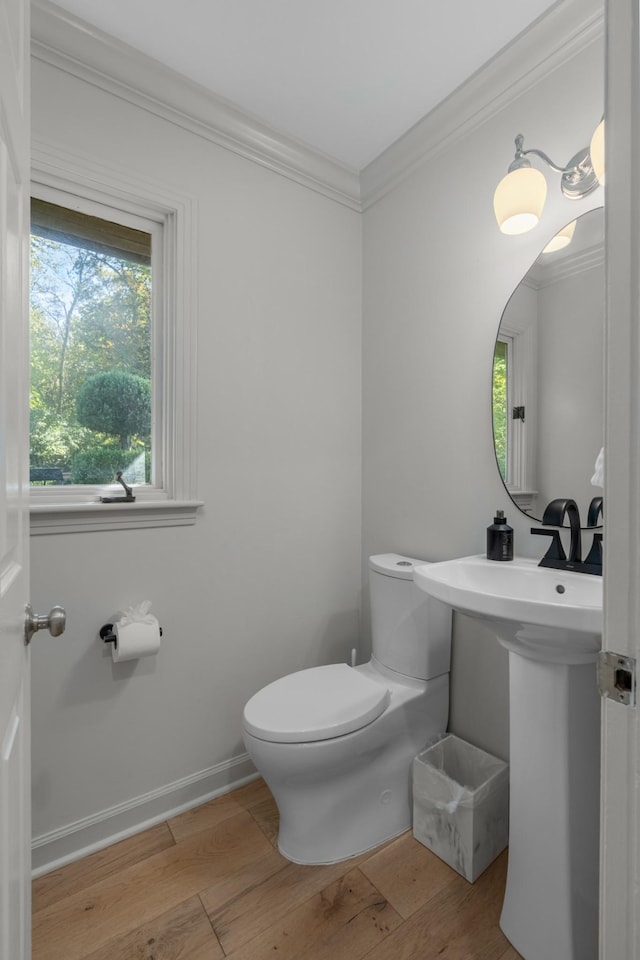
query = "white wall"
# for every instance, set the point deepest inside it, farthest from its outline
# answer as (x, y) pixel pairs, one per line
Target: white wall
(437, 275)
(268, 580)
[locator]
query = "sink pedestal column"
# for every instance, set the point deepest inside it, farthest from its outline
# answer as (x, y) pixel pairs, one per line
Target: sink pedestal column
(551, 901)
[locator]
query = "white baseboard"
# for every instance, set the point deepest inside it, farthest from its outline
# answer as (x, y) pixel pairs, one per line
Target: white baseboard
(75, 840)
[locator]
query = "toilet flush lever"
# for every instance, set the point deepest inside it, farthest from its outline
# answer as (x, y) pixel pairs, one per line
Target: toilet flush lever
(55, 622)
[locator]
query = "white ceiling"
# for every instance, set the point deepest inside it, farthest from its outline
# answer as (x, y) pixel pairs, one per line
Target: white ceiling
(347, 77)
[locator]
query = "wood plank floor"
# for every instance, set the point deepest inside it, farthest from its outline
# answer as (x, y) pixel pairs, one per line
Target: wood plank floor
(210, 883)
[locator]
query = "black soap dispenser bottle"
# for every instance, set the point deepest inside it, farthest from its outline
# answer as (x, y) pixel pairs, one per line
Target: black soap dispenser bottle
(499, 538)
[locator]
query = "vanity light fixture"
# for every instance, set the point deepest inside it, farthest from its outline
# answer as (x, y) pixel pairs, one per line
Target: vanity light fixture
(519, 198)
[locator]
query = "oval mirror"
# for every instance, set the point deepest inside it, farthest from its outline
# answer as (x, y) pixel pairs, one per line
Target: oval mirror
(547, 393)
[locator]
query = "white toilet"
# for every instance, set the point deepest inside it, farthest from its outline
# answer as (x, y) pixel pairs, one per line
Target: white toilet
(335, 743)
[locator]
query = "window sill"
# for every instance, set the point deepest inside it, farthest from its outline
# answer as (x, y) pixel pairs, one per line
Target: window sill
(52, 518)
(523, 498)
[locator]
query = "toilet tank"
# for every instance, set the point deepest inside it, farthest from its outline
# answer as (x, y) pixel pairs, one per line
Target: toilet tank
(410, 631)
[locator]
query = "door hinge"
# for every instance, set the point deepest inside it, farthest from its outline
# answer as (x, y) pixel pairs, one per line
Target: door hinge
(617, 677)
(517, 413)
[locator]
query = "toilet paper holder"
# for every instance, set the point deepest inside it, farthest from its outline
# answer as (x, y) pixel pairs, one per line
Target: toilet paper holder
(108, 636)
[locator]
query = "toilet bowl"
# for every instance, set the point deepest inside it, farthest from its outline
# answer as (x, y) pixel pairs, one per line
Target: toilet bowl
(335, 743)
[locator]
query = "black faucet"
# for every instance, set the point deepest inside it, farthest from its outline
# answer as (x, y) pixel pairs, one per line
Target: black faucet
(555, 556)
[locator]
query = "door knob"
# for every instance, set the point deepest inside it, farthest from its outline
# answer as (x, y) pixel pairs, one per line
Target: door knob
(55, 622)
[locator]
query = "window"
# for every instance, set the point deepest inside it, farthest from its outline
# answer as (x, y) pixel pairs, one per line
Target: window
(513, 413)
(501, 404)
(92, 323)
(132, 243)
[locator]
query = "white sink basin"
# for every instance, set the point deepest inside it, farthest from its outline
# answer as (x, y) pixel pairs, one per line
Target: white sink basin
(518, 591)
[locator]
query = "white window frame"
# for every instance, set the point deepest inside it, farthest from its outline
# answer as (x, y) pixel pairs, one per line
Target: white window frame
(156, 228)
(81, 183)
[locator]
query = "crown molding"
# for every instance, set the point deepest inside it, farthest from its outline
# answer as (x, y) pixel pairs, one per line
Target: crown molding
(544, 274)
(77, 48)
(564, 32)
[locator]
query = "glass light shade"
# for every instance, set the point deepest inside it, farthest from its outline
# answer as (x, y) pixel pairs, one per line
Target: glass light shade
(562, 238)
(596, 150)
(519, 199)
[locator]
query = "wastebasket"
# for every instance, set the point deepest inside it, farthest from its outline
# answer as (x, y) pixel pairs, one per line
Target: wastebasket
(461, 804)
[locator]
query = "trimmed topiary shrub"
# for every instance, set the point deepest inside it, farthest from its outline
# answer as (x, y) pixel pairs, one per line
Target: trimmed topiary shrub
(116, 403)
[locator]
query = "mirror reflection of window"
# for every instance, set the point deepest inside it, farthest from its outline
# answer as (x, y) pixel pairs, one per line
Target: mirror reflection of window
(501, 405)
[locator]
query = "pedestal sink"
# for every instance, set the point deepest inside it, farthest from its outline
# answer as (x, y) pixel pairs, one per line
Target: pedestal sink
(550, 621)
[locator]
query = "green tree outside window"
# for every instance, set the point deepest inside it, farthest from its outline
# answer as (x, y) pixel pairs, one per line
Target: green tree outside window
(500, 406)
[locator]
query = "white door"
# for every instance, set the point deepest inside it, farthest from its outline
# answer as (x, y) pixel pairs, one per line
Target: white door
(15, 833)
(620, 840)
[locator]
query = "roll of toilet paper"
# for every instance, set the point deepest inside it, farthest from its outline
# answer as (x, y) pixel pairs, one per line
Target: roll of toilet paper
(135, 640)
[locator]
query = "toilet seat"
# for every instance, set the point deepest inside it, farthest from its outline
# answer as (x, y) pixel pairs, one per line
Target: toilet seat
(315, 704)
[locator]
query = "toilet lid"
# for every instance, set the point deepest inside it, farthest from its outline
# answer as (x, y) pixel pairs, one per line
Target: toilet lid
(315, 704)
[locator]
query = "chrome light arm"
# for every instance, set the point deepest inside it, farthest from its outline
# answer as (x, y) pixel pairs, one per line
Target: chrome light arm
(578, 177)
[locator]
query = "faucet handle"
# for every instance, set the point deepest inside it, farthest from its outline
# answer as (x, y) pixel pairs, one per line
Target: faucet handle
(555, 552)
(594, 557)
